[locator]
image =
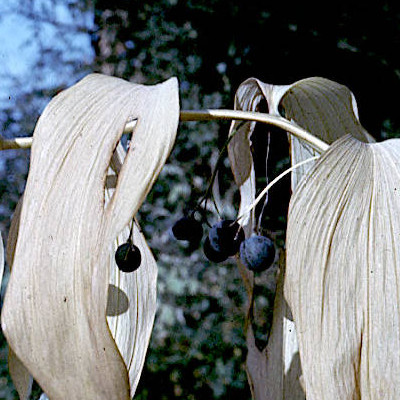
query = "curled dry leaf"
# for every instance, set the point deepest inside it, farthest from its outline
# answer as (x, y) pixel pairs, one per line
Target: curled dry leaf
(54, 314)
(342, 273)
(324, 108)
(328, 110)
(131, 302)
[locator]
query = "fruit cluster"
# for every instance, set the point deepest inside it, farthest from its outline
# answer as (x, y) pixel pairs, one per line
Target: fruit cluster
(226, 238)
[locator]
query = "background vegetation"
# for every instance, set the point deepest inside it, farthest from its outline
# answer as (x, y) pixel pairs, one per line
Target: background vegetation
(197, 349)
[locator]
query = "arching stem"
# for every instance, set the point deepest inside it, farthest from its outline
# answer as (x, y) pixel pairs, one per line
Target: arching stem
(283, 123)
(208, 115)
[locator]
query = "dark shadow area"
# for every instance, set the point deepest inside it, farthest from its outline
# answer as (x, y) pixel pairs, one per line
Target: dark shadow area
(293, 377)
(117, 301)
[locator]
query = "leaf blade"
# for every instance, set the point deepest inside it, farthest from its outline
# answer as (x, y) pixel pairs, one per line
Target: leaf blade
(328, 110)
(62, 262)
(348, 227)
(130, 295)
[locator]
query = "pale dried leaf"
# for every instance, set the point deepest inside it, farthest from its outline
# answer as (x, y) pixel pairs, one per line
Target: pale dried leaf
(130, 295)
(248, 98)
(342, 272)
(328, 110)
(125, 301)
(324, 108)
(283, 368)
(256, 366)
(20, 376)
(13, 234)
(54, 314)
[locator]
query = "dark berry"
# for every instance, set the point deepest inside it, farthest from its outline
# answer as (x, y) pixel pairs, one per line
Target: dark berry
(188, 228)
(226, 236)
(128, 257)
(212, 254)
(257, 253)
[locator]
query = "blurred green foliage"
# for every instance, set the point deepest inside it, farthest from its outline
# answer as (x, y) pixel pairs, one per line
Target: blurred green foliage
(197, 348)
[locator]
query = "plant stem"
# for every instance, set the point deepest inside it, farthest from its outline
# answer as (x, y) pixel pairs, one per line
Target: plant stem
(280, 122)
(208, 115)
(272, 183)
(215, 171)
(17, 143)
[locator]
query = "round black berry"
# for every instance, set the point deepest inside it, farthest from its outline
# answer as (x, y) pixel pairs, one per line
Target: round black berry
(212, 254)
(257, 253)
(226, 236)
(128, 257)
(188, 228)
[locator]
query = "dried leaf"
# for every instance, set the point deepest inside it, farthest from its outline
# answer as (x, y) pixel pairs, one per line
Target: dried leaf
(20, 376)
(283, 368)
(130, 296)
(247, 98)
(54, 314)
(342, 272)
(324, 108)
(328, 110)
(124, 303)
(259, 366)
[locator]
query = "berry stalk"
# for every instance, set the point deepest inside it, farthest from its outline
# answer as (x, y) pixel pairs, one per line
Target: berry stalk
(272, 183)
(207, 193)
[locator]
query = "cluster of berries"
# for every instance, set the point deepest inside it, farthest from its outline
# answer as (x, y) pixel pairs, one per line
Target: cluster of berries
(226, 238)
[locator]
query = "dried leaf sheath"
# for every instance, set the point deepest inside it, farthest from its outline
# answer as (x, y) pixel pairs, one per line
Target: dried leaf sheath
(54, 314)
(342, 273)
